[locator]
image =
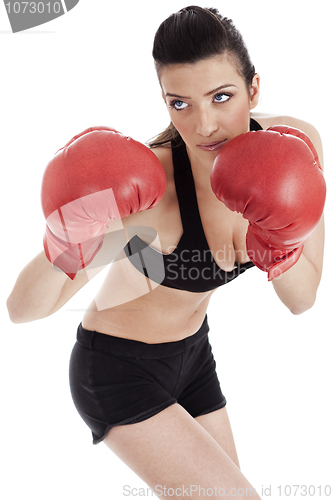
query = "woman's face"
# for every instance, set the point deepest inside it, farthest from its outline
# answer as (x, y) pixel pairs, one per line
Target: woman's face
(209, 103)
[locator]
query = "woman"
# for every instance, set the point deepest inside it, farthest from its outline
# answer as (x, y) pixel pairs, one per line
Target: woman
(142, 372)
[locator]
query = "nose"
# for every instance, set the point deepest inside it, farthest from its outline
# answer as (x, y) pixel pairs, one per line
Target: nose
(205, 123)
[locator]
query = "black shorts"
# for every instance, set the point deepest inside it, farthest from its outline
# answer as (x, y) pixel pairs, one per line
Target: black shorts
(116, 381)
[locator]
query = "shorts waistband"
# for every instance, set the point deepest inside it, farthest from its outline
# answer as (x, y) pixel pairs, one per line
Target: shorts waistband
(136, 349)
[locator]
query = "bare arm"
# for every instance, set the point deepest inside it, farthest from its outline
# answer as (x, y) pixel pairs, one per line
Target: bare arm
(297, 288)
(40, 290)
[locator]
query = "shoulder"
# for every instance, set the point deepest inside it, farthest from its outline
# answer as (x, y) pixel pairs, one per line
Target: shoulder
(269, 120)
(164, 154)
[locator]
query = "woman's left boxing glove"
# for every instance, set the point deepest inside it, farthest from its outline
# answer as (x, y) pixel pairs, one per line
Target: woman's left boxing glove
(99, 175)
(274, 179)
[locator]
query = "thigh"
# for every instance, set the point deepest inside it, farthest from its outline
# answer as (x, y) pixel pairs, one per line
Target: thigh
(172, 452)
(217, 424)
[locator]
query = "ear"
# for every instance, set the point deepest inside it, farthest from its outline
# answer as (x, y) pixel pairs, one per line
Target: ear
(255, 91)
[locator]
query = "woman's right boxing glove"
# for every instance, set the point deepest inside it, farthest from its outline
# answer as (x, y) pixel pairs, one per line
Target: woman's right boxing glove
(99, 175)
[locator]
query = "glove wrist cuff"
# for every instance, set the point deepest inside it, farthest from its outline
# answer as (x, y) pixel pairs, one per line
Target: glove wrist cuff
(284, 264)
(59, 253)
(267, 257)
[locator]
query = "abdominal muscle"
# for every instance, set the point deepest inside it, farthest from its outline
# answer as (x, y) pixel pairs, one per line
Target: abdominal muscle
(131, 306)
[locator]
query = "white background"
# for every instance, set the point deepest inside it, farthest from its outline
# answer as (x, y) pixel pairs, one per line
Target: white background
(93, 66)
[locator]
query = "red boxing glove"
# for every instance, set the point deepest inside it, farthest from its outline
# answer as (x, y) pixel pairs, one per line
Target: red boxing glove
(274, 179)
(99, 175)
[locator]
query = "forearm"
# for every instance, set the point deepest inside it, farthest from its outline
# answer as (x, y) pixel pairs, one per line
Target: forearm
(36, 290)
(297, 287)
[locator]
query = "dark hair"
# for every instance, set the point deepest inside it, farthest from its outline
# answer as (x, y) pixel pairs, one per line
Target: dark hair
(190, 35)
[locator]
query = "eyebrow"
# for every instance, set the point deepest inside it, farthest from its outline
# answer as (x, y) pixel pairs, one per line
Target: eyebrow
(208, 93)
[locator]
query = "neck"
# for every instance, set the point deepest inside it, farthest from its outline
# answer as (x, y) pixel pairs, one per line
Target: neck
(200, 170)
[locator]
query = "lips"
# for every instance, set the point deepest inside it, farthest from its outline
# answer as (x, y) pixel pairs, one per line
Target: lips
(213, 146)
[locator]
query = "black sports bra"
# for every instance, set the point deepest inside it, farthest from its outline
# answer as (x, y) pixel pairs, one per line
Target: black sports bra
(191, 265)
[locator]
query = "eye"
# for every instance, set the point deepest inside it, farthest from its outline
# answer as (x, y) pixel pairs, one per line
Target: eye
(178, 105)
(222, 97)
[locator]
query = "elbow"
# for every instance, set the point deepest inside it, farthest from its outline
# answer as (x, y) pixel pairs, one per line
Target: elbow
(13, 316)
(13, 312)
(20, 314)
(301, 307)
(16, 320)
(16, 313)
